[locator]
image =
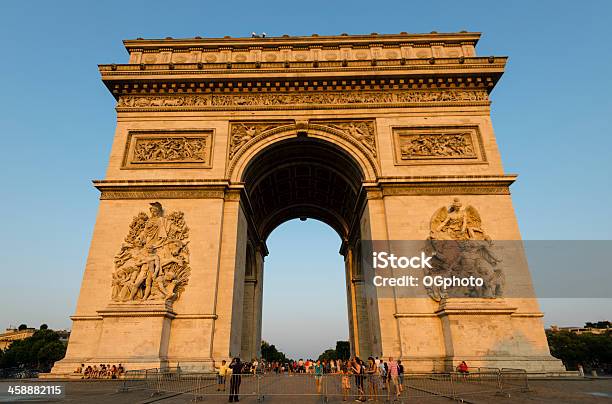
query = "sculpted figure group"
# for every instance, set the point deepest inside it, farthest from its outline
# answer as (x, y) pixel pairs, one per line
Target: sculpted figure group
(459, 145)
(460, 247)
(297, 98)
(153, 261)
(170, 149)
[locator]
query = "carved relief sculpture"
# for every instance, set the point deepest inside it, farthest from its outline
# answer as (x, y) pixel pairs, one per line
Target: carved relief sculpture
(437, 146)
(242, 132)
(362, 131)
(179, 148)
(147, 150)
(301, 98)
(460, 247)
(153, 262)
(446, 144)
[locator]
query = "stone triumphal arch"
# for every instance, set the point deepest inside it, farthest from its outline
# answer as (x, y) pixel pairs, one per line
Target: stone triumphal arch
(219, 141)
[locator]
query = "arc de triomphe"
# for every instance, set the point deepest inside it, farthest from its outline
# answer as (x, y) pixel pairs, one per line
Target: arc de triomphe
(219, 141)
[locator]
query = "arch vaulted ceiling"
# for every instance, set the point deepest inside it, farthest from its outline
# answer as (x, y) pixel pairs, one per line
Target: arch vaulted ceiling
(303, 178)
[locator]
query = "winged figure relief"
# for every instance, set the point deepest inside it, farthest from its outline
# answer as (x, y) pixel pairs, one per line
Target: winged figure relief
(460, 247)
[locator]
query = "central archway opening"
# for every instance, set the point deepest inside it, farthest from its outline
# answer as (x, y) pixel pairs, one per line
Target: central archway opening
(305, 178)
(304, 301)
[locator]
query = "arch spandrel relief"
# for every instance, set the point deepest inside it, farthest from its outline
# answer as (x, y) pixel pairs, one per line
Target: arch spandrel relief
(357, 134)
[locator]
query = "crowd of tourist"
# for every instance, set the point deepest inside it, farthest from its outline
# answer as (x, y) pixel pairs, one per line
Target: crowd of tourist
(100, 372)
(369, 379)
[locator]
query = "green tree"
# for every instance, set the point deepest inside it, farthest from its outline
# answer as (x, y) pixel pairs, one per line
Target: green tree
(599, 324)
(329, 354)
(271, 354)
(39, 351)
(22, 327)
(591, 350)
(343, 350)
(44, 327)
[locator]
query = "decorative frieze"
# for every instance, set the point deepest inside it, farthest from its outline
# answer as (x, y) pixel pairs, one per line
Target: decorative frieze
(272, 100)
(438, 145)
(161, 193)
(168, 149)
(446, 189)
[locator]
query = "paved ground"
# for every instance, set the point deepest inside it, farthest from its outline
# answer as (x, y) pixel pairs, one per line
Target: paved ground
(541, 391)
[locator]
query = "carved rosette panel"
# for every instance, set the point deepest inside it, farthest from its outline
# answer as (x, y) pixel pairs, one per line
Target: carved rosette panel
(299, 99)
(438, 145)
(168, 149)
(460, 247)
(243, 132)
(153, 261)
(362, 131)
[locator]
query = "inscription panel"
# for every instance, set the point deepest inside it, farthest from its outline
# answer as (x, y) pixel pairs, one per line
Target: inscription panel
(438, 145)
(168, 149)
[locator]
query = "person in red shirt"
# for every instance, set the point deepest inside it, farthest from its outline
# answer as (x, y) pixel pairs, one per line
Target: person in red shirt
(462, 368)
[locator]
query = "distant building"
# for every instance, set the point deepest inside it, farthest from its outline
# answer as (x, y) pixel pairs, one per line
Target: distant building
(14, 334)
(579, 330)
(64, 335)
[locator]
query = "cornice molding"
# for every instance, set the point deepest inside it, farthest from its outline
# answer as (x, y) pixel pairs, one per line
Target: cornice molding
(300, 41)
(447, 185)
(384, 186)
(405, 65)
(161, 189)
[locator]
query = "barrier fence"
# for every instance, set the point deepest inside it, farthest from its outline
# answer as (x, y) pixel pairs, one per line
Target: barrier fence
(457, 386)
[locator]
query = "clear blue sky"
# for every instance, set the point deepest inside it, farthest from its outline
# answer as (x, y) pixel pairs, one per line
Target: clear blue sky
(551, 112)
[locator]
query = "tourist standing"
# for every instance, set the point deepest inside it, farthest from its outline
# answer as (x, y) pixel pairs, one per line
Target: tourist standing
(384, 374)
(235, 379)
(318, 371)
(346, 383)
(400, 371)
(358, 371)
(372, 372)
(221, 375)
(394, 376)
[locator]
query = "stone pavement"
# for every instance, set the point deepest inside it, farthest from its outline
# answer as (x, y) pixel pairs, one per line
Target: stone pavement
(541, 391)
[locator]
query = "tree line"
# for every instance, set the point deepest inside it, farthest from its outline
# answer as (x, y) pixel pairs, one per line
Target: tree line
(592, 351)
(40, 351)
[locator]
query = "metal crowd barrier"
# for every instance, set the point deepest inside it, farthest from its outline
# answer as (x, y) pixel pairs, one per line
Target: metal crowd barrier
(514, 380)
(135, 379)
(454, 385)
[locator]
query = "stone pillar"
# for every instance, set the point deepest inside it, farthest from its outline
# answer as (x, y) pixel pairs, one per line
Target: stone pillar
(258, 302)
(247, 351)
(227, 332)
(385, 338)
(350, 301)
